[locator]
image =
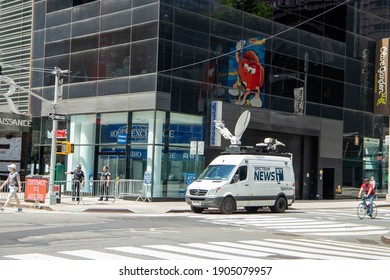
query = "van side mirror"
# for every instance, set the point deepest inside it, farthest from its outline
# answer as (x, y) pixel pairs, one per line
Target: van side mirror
(236, 178)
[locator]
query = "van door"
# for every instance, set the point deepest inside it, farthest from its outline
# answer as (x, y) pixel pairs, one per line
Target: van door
(268, 182)
(240, 186)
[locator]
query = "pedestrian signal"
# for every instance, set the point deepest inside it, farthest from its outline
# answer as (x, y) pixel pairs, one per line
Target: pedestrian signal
(64, 148)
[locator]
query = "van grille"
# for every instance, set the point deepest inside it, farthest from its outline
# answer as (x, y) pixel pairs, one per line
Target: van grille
(198, 192)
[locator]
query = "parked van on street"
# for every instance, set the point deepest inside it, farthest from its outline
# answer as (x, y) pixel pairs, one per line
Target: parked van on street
(243, 177)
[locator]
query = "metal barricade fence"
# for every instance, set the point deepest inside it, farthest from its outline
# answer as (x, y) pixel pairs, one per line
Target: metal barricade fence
(93, 188)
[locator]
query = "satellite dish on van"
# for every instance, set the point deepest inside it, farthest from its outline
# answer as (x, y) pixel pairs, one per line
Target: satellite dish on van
(241, 125)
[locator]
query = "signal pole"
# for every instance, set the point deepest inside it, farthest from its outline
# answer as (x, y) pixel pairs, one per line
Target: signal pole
(51, 196)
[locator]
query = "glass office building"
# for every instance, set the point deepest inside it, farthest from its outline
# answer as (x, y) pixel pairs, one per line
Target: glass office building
(144, 75)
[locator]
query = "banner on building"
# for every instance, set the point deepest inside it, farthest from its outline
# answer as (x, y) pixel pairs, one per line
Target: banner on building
(298, 101)
(381, 104)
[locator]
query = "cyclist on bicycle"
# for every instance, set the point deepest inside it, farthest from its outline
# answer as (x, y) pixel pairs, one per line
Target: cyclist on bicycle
(370, 193)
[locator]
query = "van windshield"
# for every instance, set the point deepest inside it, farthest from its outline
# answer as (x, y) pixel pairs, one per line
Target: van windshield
(216, 172)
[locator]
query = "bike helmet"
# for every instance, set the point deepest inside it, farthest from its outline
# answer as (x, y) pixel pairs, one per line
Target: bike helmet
(78, 166)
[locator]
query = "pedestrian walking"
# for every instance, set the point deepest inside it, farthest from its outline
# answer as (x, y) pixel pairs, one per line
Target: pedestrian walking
(14, 186)
(104, 183)
(77, 181)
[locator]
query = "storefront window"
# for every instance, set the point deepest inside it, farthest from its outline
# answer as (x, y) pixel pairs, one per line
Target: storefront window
(112, 140)
(82, 130)
(183, 162)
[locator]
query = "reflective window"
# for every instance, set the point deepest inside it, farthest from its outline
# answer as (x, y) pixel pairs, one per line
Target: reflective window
(137, 3)
(85, 27)
(143, 57)
(117, 20)
(58, 33)
(39, 16)
(191, 21)
(144, 31)
(57, 48)
(84, 43)
(145, 14)
(86, 11)
(59, 18)
(37, 44)
(115, 37)
(111, 6)
(114, 61)
(332, 93)
(80, 90)
(84, 66)
(143, 83)
(225, 30)
(55, 5)
(113, 86)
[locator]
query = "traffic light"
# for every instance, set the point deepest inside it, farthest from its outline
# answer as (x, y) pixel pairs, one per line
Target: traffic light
(64, 148)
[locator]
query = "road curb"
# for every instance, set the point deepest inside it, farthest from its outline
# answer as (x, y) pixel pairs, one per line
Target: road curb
(386, 239)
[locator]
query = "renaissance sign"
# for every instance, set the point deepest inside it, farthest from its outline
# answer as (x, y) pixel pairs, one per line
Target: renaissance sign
(381, 87)
(14, 122)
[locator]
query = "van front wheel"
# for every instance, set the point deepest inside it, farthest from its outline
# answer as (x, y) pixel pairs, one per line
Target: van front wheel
(228, 205)
(280, 206)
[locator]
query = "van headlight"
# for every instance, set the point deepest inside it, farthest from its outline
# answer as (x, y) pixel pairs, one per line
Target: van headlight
(213, 191)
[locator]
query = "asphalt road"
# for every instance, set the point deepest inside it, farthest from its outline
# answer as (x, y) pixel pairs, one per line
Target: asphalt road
(314, 234)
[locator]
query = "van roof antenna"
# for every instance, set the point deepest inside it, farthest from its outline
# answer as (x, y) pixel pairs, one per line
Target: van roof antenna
(270, 144)
(241, 125)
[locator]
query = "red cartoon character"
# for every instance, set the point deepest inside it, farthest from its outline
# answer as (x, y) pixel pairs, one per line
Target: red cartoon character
(250, 75)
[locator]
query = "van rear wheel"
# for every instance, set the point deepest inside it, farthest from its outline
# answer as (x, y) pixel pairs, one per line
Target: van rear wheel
(280, 206)
(228, 205)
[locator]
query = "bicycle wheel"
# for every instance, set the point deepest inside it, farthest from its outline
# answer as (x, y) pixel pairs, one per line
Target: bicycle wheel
(374, 211)
(361, 211)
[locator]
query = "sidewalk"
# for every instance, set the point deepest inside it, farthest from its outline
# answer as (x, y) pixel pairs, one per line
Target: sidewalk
(91, 204)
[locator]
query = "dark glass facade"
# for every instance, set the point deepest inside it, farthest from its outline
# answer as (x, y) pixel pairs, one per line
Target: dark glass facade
(314, 68)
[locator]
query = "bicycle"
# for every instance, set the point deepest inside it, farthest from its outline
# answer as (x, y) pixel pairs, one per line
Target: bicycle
(363, 209)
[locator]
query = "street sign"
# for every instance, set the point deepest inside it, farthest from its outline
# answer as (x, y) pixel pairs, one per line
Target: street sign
(57, 117)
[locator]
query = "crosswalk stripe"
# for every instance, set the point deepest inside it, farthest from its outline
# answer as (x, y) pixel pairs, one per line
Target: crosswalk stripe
(34, 256)
(295, 225)
(96, 255)
(347, 233)
(211, 247)
(310, 225)
(271, 250)
(204, 254)
(338, 229)
(332, 250)
(343, 246)
(152, 253)
(295, 250)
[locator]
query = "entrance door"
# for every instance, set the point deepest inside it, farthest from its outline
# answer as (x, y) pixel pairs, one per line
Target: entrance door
(328, 183)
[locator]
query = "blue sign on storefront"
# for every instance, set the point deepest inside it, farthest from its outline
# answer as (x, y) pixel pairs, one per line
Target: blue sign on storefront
(178, 133)
(142, 154)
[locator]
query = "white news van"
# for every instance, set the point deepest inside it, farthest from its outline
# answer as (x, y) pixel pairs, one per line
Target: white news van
(245, 177)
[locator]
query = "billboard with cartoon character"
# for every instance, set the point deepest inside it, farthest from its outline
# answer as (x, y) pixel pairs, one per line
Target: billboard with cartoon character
(246, 72)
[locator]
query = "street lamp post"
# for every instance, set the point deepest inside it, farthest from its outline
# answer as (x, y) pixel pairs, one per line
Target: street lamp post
(51, 196)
